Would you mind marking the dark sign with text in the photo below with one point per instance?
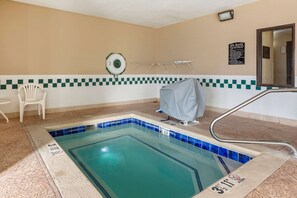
(236, 53)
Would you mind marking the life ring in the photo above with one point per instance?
(115, 63)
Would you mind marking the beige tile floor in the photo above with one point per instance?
(23, 174)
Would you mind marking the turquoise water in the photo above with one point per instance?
(134, 162)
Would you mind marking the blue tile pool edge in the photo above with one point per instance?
(221, 151)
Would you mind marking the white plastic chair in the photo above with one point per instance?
(30, 93)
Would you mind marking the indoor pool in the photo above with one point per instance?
(133, 161)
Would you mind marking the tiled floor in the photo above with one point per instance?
(23, 174)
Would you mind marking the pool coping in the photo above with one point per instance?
(213, 148)
(71, 182)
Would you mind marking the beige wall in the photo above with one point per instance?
(205, 40)
(268, 64)
(36, 40)
(280, 58)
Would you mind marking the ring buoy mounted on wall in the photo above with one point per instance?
(115, 64)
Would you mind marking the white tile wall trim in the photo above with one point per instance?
(222, 92)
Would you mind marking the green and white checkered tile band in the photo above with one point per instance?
(110, 81)
(85, 82)
(231, 84)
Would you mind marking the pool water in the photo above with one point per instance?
(134, 162)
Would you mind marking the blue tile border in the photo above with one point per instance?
(221, 151)
(73, 130)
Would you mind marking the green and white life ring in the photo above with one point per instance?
(115, 64)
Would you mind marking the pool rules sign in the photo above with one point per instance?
(237, 53)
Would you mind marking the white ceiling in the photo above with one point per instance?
(151, 13)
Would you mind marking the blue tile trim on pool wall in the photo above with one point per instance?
(242, 158)
(73, 130)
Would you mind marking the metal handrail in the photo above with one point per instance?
(260, 95)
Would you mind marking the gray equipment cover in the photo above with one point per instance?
(184, 100)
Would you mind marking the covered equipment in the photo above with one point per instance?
(184, 100)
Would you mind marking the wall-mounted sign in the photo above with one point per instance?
(266, 52)
(237, 53)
